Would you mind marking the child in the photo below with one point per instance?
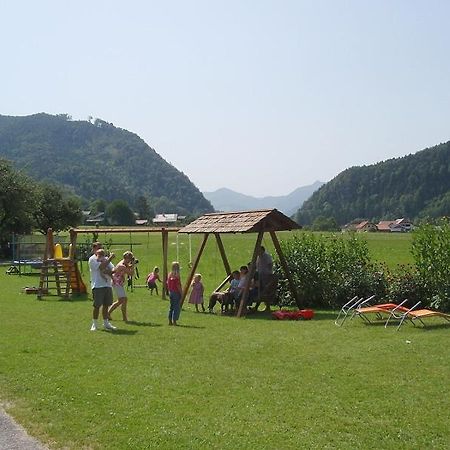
(243, 273)
(234, 285)
(151, 280)
(196, 297)
(125, 267)
(101, 256)
(175, 290)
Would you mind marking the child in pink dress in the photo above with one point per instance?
(196, 297)
(152, 278)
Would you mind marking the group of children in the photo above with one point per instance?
(125, 268)
(175, 291)
(196, 297)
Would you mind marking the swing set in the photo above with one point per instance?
(260, 222)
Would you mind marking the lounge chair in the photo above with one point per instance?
(414, 314)
(379, 310)
(348, 308)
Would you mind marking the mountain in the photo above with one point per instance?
(227, 200)
(97, 161)
(414, 186)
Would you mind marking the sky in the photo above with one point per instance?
(260, 97)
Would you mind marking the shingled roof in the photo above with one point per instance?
(241, 222)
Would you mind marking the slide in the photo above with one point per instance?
(79, 286)
(76, 282)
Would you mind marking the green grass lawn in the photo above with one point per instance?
(217, 382)
(390, 248)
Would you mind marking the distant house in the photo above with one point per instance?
(395, 226)
(402, 225)
(350, 226)
(165, 218)
(365, 226)
(360, 227)
(94, 219)
(384, 225)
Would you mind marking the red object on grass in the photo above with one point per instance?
(305, 314)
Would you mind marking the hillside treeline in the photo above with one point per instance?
(415, 186)
(97, 161)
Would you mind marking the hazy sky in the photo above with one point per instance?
(258, 96)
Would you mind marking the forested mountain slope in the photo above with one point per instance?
(97, 161)
(413, 186)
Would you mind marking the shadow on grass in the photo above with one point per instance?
(122, 332)
(143, 324)
(318, 316)
(380, 323)
(429, 327)
(54, 297)
(432, 327)
(189, 326)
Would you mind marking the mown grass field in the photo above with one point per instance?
(219, 382)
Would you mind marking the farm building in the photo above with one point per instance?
(395, 226)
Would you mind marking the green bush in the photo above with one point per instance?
(431, 251)
(328, 271)
(405, 283)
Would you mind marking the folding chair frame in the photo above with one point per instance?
(403, 316)
(349, 307)
(378, 310)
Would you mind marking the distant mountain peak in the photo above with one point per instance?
(225, 199)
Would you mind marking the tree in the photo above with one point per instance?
(56, 211)
(17, 201)
(98, 206)
(143, 208)
(119, 213)
(325, 224)
(430, 248)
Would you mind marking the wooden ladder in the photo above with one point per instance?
(54, 277)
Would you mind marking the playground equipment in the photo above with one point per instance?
(266, 220)
(58, 272)
(26, 254)
(62, 273)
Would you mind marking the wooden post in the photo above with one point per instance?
(50, 244)
(250, 273)
(285, 267)
(165, 248)
(194, 268)
(226, 264)
(73, 244)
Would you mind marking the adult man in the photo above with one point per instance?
(264, 267)
(101, 284)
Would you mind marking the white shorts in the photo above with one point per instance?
(120, 291)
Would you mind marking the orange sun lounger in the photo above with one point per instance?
(379, 310)
(413, 314)
(349, 308)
